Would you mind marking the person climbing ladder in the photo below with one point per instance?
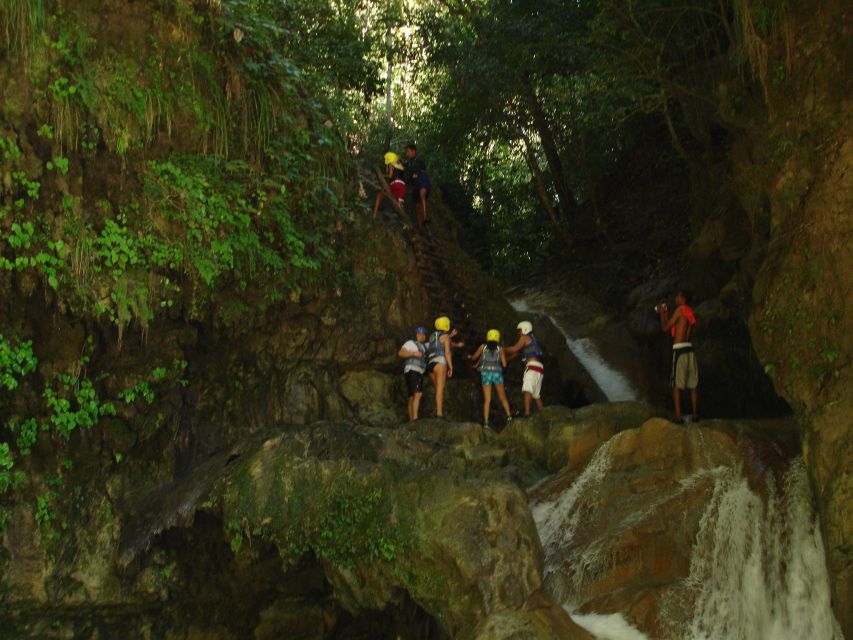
(395, 174)
(418, 179)
(491, 365)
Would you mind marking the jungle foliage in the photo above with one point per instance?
(538, 111)
(161, 161)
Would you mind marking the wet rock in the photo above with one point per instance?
(620, 536)
(828, 450)
(557, 436)
(541, 619)
(461, 548)
(374, 396)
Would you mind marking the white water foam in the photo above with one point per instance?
(758, 568)
(609, 626)
(615, 386)
(557, 520)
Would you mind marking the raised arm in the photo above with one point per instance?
(667, 321)
(476, 355)
(518, 346)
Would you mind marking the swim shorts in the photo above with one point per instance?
(398, 189)
(532, 381)
(415, 382)
(685, 369)
(491, 377)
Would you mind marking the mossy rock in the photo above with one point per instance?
(557, 435)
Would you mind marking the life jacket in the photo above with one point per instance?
(435, 349)
(688, 314)
(532, 349)
(490, 360)
(398, 175)
(419, 362)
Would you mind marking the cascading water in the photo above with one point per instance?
(758, 565)
(613, 384)
(757, 569)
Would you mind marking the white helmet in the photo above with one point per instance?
(525, 327)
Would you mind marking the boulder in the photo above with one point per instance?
(373, 396)
(462, 548)
(558, 436)
(660, 523)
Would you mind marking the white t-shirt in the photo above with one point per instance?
(411, 345)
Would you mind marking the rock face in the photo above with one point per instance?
(689, 532)
(801, 319)
(328, 530)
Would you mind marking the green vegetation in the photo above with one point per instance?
(336, 514)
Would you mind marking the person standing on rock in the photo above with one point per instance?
(491, 365)
(414, 351)
(440, 360)
(418, 179)
(685, 370)
(534, 369)
(395, 174)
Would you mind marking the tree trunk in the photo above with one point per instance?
(389, 57)
(542, 192)
(549, 146)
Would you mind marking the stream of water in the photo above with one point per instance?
(613, 384)
(757, 569)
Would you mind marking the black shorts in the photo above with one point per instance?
(415, 382)
(417, 185)
(432, 365)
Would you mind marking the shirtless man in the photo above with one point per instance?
(685, 370)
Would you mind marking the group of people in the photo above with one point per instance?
(432, 355)
(410, 173)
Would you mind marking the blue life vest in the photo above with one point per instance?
(435, 349)
(490, 360)
(418, 363)
(532, 349)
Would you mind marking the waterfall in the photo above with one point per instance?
(615, 386)
(756, 570)
(758, 565)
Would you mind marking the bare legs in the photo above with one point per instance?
(376, 203)
(421, 207)
(439, 377)
(527, 397)
(414, 405)
(694, 403)
(487, 401)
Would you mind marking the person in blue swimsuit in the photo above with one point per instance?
(491, 364)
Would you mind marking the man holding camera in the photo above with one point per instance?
(685, 370)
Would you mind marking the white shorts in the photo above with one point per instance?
(532, 382)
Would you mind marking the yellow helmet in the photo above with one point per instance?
(442, 323)
(493, 335)
(391, 158)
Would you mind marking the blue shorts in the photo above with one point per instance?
(491, 377)
(418, 184)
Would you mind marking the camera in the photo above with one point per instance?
(660, 306)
